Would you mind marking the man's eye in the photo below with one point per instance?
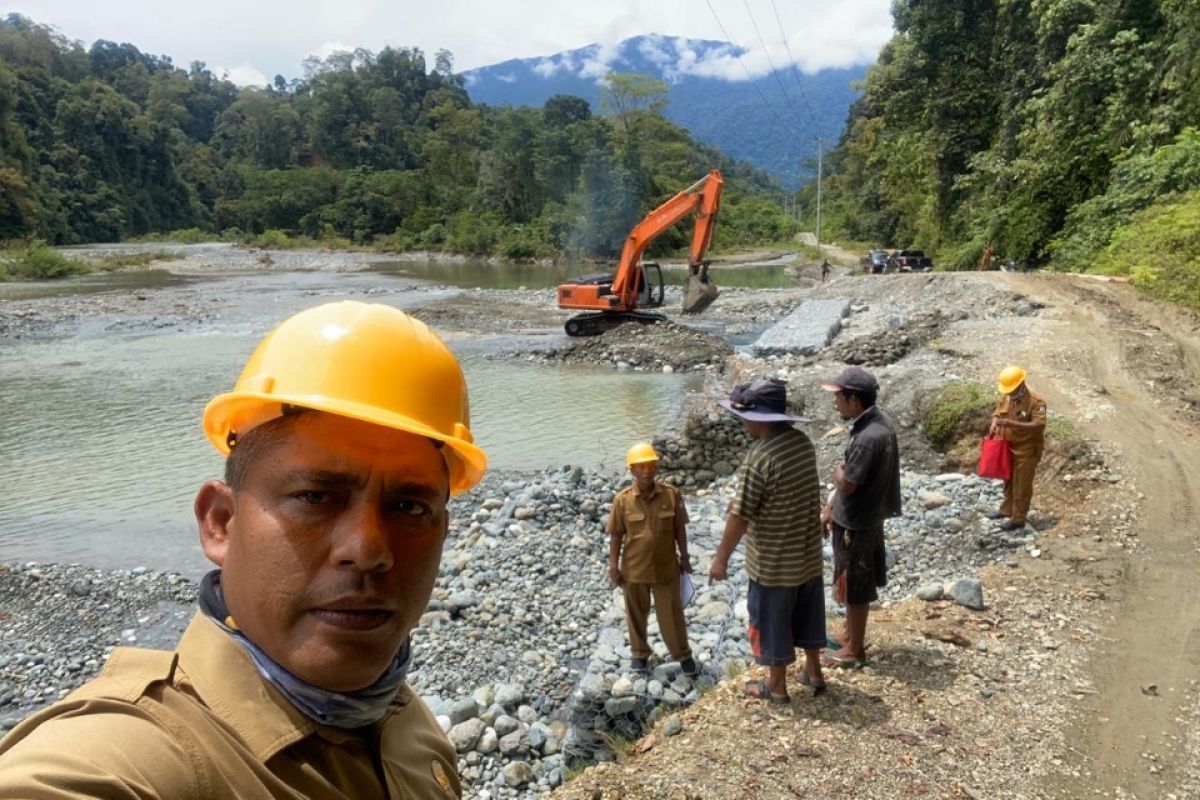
(314, 497)
(410, 507)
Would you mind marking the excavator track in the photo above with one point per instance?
(599, 322)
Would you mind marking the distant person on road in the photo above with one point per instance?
(1020, 417)
(777, 508)
(345, 435)
(824, 270)
(866, 492)
(647, 554)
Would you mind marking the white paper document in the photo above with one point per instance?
(687, 589)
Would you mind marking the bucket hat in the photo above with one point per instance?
(761, 400)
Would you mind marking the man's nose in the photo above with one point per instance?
(362, 539)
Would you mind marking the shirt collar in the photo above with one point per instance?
(862, 419)
(638, 492)
(227, 681)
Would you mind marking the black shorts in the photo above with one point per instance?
(783, 618)
(859, 555)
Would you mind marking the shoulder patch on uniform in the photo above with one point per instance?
(439, 774)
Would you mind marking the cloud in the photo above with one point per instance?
(507, 78)
(242, 75)
(547, 67)
(273, 36)
(598, 61)
(329, 48)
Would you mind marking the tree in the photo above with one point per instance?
(625, 95)
(562, 110)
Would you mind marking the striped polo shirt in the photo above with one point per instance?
(779, 494)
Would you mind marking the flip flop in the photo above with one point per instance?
(760, 691)
(832, 643)
(837, 662)
(814, 689)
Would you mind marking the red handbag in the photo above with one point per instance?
(995, 459)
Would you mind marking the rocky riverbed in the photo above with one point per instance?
(522, 652)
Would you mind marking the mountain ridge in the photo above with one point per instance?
(772, 121)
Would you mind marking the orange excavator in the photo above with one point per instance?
(609, 300)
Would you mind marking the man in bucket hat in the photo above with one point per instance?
(776, 507)
(866, 491)
(345, 436)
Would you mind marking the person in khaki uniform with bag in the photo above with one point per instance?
(346, 434)
(1019, 418)
(646, 527)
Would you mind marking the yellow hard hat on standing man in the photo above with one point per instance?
(1010, 378)
(640, 453)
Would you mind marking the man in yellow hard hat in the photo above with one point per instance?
(647, 553)
(1020, 417)
(346, 434)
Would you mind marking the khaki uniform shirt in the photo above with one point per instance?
(648, 527)
(200, 723)
(1030, 407)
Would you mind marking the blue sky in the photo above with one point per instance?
(254, 40)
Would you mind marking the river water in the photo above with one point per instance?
(100, 441)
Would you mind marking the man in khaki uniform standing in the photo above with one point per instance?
(1020, 417)
(647, 526)
(346, 434)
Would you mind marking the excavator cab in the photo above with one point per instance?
(650, 285)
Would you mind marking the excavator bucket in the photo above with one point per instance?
(698, 292)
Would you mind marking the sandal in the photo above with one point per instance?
(832, 643)
(814, 689)
(841, 662)
(760, 691)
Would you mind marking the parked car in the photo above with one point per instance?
(912, 261)
(877, 262)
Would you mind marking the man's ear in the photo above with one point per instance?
(214, 510)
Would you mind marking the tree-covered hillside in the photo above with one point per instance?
(106, 142)
(1059, 132)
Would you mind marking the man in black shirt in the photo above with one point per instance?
(867, 491)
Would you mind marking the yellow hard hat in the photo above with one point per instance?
(1010, 378)
(365, 361)
(640, 453)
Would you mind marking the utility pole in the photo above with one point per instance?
(819, 154)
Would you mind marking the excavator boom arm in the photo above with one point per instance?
(702, 198)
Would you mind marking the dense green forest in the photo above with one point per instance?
(1060, 132)
(108, 143)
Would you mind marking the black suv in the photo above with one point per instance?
(877, 261)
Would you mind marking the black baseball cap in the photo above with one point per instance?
(852, 379)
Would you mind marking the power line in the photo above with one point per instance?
(792, 63)
(811, 115)
(736, 55)
(771, 64)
